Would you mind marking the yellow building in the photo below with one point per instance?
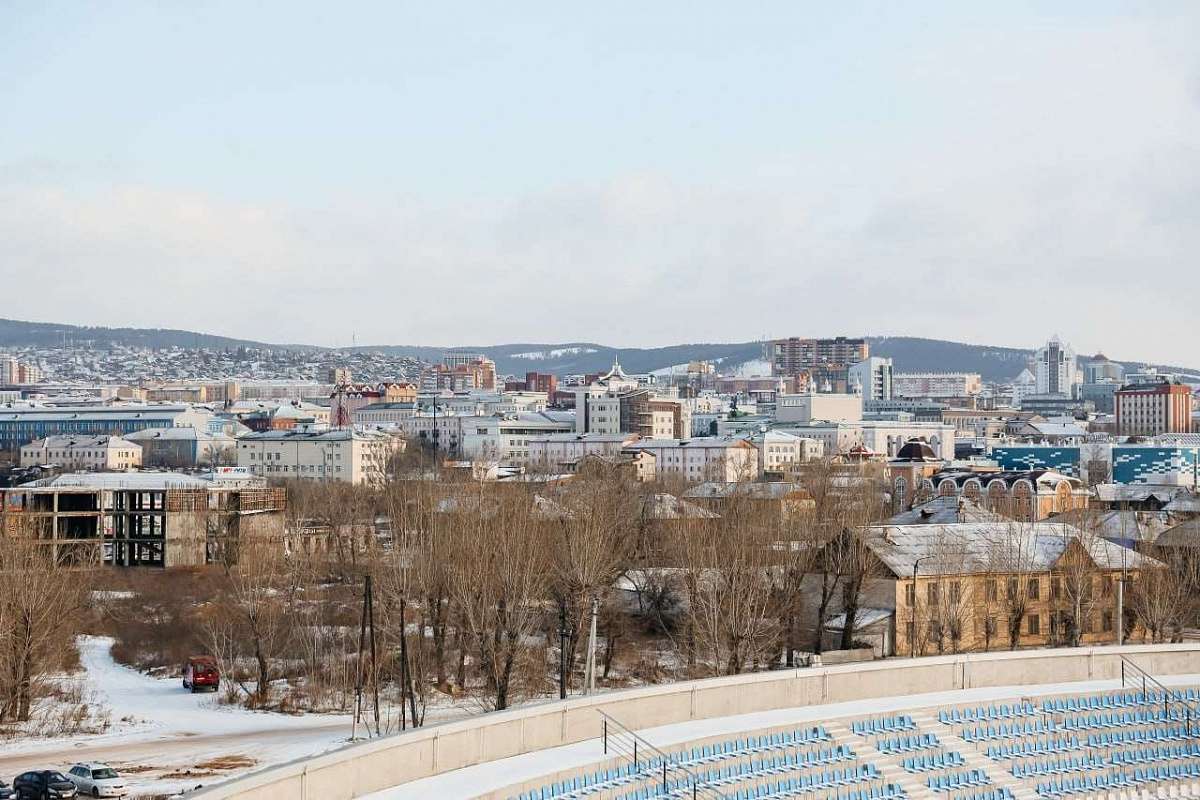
(990, 585)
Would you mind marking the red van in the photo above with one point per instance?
(200, 672)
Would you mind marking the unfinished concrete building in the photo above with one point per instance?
(140, 519)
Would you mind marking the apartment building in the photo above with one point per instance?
(560, 451)
(780, 451)
(83, 453)
(383, 415)
(978, 586)
(872, 378)
(826, 361)
(507, 439)
(344, 454)
(936, 385)
(698, 460)
(1153, 408)
(14, 372)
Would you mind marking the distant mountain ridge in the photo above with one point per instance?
(909, 354)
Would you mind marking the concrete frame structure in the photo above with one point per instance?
(138, 520)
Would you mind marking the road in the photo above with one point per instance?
(170, 739)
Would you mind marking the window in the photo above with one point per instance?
(955, 592)
(910, 594)
(935, 629)
(1106, 621)
(931, 593)
(1055, 588)
(1106, 586)
(1088, 626)
(1034, 623)
(1034, 590)
(991, 590)
(1012, 588)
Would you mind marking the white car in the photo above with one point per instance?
(97, 780)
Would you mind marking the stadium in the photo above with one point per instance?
(1118, 723)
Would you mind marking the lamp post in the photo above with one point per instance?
(912, 631)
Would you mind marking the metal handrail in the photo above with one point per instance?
(667, 760)
(1169, 695)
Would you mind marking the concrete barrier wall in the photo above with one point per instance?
(367, 767)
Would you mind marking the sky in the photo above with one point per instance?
(633, 174)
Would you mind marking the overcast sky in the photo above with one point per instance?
(626, 173)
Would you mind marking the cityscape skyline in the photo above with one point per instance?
(757, 172)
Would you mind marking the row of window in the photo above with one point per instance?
(1032, 625)
(933, 589)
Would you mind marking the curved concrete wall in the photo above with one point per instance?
(367, 767)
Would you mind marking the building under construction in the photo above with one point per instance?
(154, 519)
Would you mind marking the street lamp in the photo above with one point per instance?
(912, 631)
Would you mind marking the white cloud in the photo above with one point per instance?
(1030, 183)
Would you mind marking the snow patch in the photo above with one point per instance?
(546, 355)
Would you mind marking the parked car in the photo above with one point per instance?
(6, 792)
(97, 780)
(200, 672)
(43, 784)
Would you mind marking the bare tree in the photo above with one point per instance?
(38, 602)
(497, 570)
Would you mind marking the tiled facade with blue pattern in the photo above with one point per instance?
(1131, 464)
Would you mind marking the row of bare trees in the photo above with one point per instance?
(482, 588)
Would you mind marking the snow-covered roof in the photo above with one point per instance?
(944, 510)
(667, 506)
(149, 481)
(756, 491)
(975, 547)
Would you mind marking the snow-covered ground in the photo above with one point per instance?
(166, 739)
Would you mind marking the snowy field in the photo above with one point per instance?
(166, 739)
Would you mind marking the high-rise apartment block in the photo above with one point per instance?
(827, 361)
(1056, 368)
(13, 371)
(872, 378)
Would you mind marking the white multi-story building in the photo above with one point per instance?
(384, 415)
(506, 440)
(872, 379)
(778, 450)
(554, 451)
(880, 437)
(920, 385)
(1056, 368)
(705, 459)
(343, 455)
(87, 453)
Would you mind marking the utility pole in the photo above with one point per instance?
(358, 683)
(562, 650)
(591, 656)
(374, 663)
